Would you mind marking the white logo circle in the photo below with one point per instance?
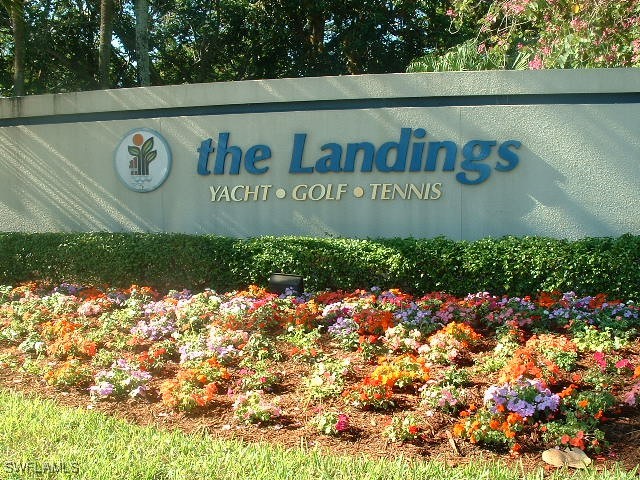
(143, 160)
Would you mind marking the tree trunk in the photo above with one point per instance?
(315, 19)
(17, 23)
(104, 49)
(142, 42)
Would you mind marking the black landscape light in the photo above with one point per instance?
(280, 282)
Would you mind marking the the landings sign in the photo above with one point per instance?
(474, 163)
(143, 161)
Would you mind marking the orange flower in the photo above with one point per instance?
(458, 429)
(567, 392)
(372, 381)
(516, 449)
(494, 424)
(597, 301)
(547, 299)
(199, 399)
(514, 418)
(211, 389)
(185, 375)
(578, 442)
(509, 433)
(636, 372)
(583, 403)
(90, 348)
(159, 352)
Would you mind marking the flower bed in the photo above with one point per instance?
(508, 374)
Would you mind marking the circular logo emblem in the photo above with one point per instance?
(143, 160)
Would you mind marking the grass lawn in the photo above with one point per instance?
(37, 437)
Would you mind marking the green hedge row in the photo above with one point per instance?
(517, 266)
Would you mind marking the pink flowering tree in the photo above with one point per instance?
(539, 34)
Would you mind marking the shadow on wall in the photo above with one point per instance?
(50, 192)
(576, 178)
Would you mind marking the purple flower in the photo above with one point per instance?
(122, 363)
(446, 399)
(525, 397)
(521, 407)
(343, 326)
(103, 389)
(140, 375)
(548, 402)
(192, 351)
(155, 328)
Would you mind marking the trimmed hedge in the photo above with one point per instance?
(517, 266)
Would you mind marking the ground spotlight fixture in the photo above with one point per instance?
(281, 282)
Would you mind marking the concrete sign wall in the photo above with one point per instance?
(464, 154)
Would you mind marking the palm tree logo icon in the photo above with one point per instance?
(142, 153)
(142, 160)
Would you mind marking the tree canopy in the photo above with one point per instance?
(69, 45)
(204, 40)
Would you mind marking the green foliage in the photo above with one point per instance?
(467, 57)
(539, 34)
(519, 266)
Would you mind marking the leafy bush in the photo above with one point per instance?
(519, 266)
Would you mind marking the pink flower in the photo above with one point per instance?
(630, 397)
(536, 63)
(624, 363)
(578, 24)
(600, 360)
(451, 13)
(343, 423)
